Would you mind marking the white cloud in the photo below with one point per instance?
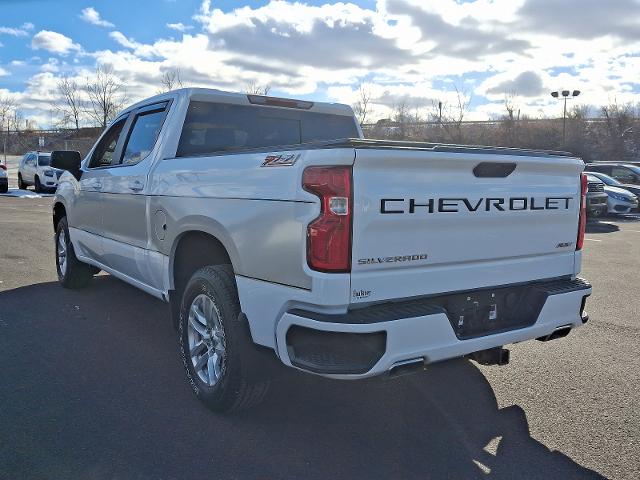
(3, 72)
(406, 50)
(53, 42)
(92, 16)
(52, 65)
(179, 27)
(140, 49)
(122, 40)
(15, 32)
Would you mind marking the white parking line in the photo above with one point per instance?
(592, 239)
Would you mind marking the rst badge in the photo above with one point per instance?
(285, 160)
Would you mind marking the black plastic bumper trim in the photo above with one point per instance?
(426, 306)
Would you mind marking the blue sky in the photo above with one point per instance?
(402, 52)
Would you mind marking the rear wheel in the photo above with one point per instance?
(21, 184)
(38, 185)
(215, 353)
(4, 188)
(72, 273)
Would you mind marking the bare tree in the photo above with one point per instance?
(454, 114)
(7, 104)
(255, 88)
(619, 120)
(401, 115)
(106, 96)
(511, 105)
(170, 80)
(459, 111)
(510, 119)
(362, 107)
(71, 106)
(15, 120)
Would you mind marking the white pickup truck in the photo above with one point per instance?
(276, 232)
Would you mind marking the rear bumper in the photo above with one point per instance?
(364, 343)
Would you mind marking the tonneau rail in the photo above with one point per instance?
(375, 144)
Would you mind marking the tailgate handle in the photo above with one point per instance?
(494, 169)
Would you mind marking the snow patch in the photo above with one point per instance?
(14, 192)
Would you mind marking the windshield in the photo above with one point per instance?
(634, 169)
(44, 160)
(606, 178)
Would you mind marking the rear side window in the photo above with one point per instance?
(142, 138)
(211, 128)
(44, 160)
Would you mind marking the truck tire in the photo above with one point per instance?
(215, 351)
(38, 185)
(72, 273)
(21, 184)
(4, 188)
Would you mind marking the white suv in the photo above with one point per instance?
(35, 169)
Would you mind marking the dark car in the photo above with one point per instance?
(596, 197)
(625, 173)
(4, 181)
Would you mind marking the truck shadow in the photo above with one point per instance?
(598, 226)
(93, 388)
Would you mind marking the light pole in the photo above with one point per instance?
(565, 94)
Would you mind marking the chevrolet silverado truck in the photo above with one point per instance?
(279, 235)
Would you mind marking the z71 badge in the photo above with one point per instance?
(280, 160)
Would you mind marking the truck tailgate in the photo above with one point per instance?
(434, 222)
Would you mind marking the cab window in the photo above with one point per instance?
(104, 153)
(144, 132)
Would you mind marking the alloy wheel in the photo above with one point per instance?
(207, 345)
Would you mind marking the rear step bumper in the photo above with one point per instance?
(385, 338)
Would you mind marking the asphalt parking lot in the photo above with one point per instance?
(92, 387)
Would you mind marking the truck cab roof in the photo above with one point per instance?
(221, 96)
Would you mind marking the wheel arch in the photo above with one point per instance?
(59, 212)
(193, 249)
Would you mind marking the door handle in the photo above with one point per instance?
(97, 186)
(136, 186)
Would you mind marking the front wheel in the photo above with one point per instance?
(215, 353)
(72, 273)
(21, 184)
(38, 186)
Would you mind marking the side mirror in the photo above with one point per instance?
(67, 160)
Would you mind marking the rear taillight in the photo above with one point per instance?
(582, 222)
(329, 235)
(3, 167)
